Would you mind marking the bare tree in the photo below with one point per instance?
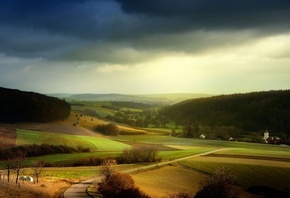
(106, 169)
(18, 163)
(38, 168)
(9, 167)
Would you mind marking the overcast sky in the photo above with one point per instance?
(149, 46)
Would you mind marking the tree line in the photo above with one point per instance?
(20, 106)
(255, 111)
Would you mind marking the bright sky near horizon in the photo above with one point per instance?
(139, 47)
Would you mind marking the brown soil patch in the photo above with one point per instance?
(8, 137)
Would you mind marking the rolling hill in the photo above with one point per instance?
(256, 111)
(20, 106)
(165, 99)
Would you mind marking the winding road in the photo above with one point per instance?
(80, 190)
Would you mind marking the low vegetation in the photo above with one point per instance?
(137, 155)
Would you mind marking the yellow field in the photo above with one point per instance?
(168, 180)
(172, 179)
(90, 123)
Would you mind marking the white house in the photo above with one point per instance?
(266, 134)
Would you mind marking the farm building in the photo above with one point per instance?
(266, 135)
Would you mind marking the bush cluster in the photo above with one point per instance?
(137, 155)
(108, 129)
(120, 185)
(116, 184)
(220, 184)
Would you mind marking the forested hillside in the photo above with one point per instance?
(20, 106)
(255, 111)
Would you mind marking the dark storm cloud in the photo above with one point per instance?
(71, 30)
(48, 28)
(215, 14)
(72, 18)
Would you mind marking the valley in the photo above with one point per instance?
(258, 167)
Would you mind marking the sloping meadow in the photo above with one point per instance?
(75, 141)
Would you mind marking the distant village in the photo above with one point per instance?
(266, 138)
(274, 139)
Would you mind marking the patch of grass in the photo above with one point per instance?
(69, 159)
(94, 143)
(171, 155)
(81, 173)
(103, 112)
(68, 172)
(277, 152)
(159, 130)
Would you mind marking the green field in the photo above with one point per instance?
(169, 140)
(77, 172)
(171, 155)
(247, 174)
(272, 151)
(100, 110)
(103, 112)
(70, 159)
(94, 143)
(105, 147)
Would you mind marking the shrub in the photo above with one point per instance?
(120, 185)
(107, 129)
(115, 184)
(219, 185)
(137, 155)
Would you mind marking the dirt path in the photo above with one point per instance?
(80, 190)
